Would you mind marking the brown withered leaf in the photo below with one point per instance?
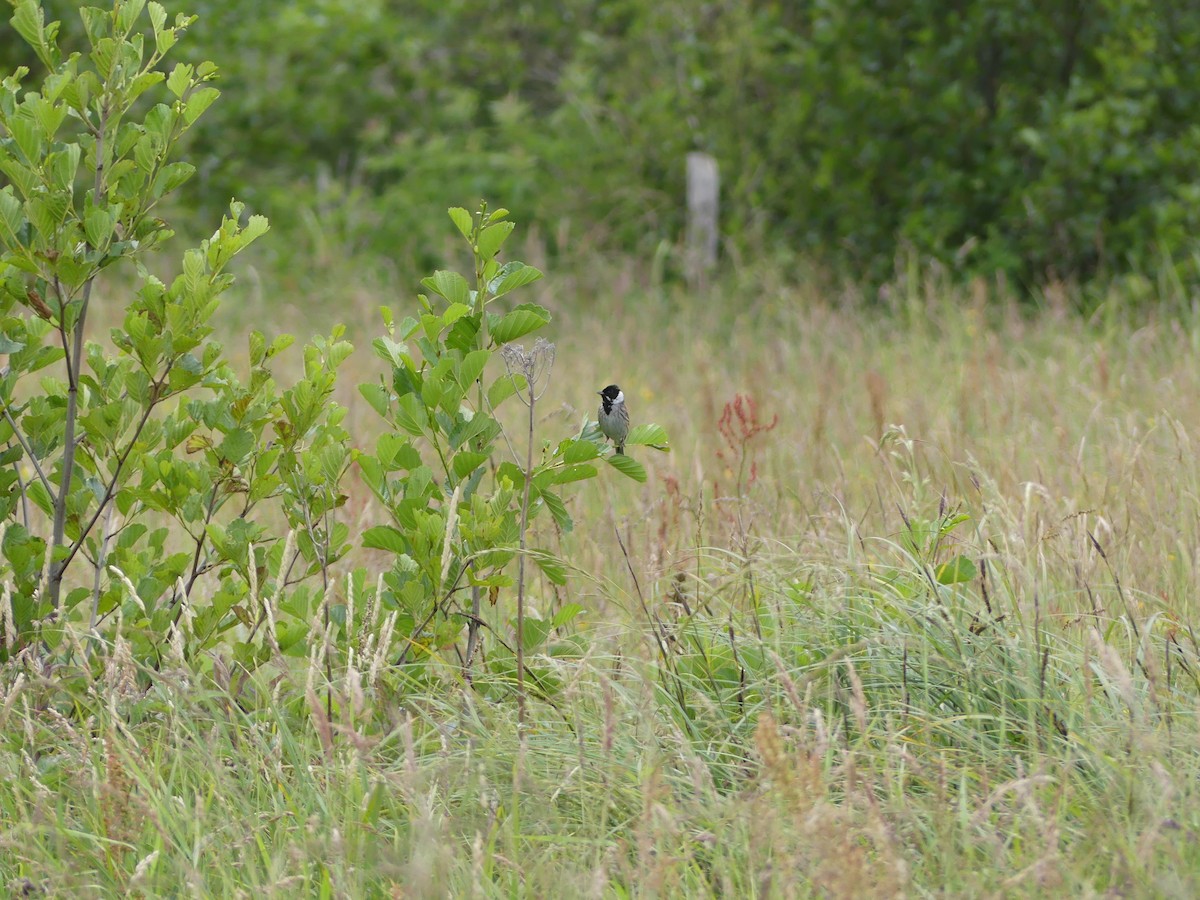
(38, 304)
(197, 442)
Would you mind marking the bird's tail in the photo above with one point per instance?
(620, 450)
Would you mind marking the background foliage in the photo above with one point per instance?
(1043, 140)
(908, 610)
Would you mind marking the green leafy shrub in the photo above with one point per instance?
(153, 498)
(459, 509)
(76, 203)
(133, 473)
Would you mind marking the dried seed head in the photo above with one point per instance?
(534, 364)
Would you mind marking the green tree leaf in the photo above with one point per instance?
(957, 571)
(649, 435)
(472, 367)
(462, 221)
(384, 537)
(627, 465)
(552, 567)
(521, 321)
(449, 285)
(492, 237)
(378, 396)
(467, 461)
(514, 275)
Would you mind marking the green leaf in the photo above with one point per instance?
(558, 510)
(552, 567)
(454, 312)
(627, 465)
(12, 217)
(62, 166)
(956, 571)
(535, 633)
(492, 237)
(521, 321)
(565, 474)
(567, 614)
(513, 276)
(478, 427)
(384, 537)
(649, 435)
(47, 212)
(172, 176)
(23, 177)
(411, 415)
(28, 20)
(49, 117)
(503, 388)
(578, 451)
(397, 452)
(236, 446)
(462, 220)
(158, 15)
(180, 79)
(463, 334)
(472, 367)
(41, 498)
(28, 136)
(467, 461)
(143, 83)
(433, 387)
(98, 226)
(258, 347)
(378, 396)
(198, 102)
(389, 351)
(449, 285)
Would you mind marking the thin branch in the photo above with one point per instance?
(100, 560)
(521, 569)
(24, 495)
(196, 567)
(436, 606)
(108, 491)
(29, 452)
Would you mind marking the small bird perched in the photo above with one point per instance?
(614, 416)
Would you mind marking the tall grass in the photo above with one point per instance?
(928, 631)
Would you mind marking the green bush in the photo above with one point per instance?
(152, 500)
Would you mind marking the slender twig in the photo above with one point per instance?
(100, 559)
(29, 452)
(521, 569)
(196, 567)
(491, 411)
(542, 692)
(534, 365)
(24, 495)
(660, 636)
(412, 637)
(109, 490)
(322, 551)
(481, 301)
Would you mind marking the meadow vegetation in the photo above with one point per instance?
(904, 608)
(928, 630)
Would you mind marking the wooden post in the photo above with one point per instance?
(703, 192)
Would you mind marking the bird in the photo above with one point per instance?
(614, 416)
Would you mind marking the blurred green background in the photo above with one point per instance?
(1048, 141)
